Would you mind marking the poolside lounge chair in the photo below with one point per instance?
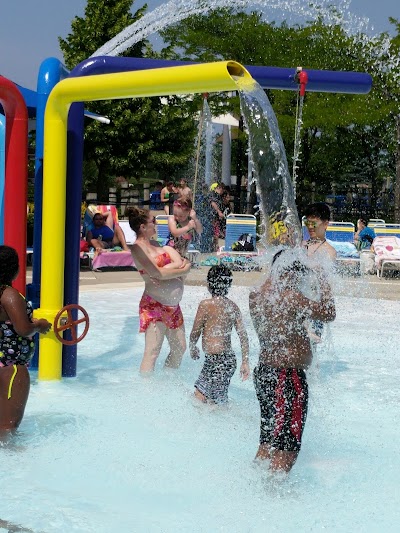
(387, 254)
(238, 226)
(387, 230)
(163, 235)
(113, 259)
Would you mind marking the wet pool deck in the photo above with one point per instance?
(387, 288)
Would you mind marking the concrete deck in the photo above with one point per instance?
(387, 288)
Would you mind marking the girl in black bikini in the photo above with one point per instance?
(17, 328)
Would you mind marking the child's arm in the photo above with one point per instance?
(15, 307)
(244, 345)
(197, 329)
(161, 273)
(176, 259)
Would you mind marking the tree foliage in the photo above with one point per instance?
(346, 139)
(147, 137)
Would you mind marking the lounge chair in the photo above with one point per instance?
(387, 254)
(241, 230)
(387, 230)
(114, 258)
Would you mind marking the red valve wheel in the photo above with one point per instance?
(69, 323)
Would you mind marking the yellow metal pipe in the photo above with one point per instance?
(209, 77)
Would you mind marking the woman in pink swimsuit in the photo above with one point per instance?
(163, 271)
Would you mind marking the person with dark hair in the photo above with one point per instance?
(280, 312)
(184, 190)
(321, 253)
(159, 310)
(104, 235)
(364, 236)
(17, 346)
(316, 219)
(183, 225)
(168, 195)
(215, 319)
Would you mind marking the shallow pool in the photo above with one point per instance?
(111, 451)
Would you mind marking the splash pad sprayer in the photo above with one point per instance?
(200, 78)
(201, 123)
(301, 77)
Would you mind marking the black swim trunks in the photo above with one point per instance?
(283, 397)
(216, 375)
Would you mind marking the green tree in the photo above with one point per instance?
(329, 119)
(147, 137)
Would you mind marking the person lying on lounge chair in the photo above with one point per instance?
(104, 235)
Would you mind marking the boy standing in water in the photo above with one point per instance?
(320, 252)
(215, 320)
(316, 220)
(280, 313)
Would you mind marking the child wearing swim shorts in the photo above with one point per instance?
(215, 319)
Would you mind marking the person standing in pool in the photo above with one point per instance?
(215, 319)
(159, 311)
(321, 254)
(17, 346)
(280, 313)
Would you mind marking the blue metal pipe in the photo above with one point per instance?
(51, 71)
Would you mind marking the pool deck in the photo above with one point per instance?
(387, 288)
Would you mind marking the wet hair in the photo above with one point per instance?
(137, 217)
(319, 210)
(290, 265)
(184, 203)
(219, 279)
(9, 264)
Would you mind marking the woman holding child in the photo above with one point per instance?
(163, 271)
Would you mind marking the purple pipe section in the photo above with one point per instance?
(327, 81)
(267, 77)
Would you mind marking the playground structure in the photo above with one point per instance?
(60, 125)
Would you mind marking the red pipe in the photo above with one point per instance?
(16, 174)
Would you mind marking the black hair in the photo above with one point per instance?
(9, 265)
(319, 210)
(219, 279)
(364, 221)
(296, 268)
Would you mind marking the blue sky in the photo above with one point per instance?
(29, 30)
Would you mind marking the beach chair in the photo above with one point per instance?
(130, 235)
(375, 222)
(387, 230)
(237, 227)
(387, 253)
(113, 259)
(163, 235)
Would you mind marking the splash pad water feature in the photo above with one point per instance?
(112, 451)
(193, 493)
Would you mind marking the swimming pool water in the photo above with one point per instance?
(111, 451)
